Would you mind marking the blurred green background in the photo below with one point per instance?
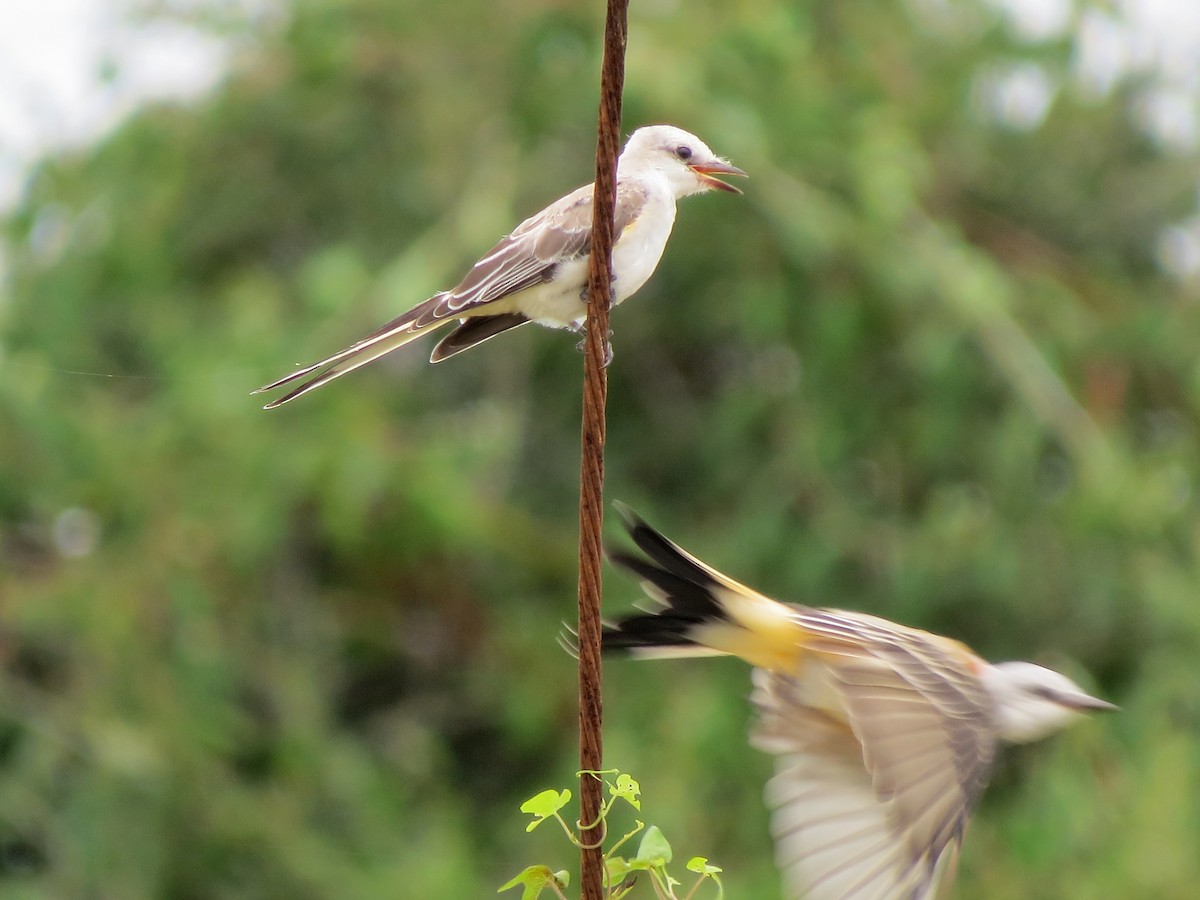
(939, 363)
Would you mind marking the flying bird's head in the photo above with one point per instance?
(682, 158)
(1032, 702)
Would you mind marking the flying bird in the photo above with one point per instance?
(538, 272)
(883, 735)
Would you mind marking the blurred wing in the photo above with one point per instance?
(884, 747)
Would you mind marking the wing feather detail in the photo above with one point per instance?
(534, 250)
(833, 839)
(883, 744)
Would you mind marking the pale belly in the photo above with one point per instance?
(639, 248)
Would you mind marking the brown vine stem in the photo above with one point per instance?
(591, 479)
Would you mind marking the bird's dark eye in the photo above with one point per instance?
(684, 152)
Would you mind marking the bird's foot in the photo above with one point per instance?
(585, 295)
(582, 345)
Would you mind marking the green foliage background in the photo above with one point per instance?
(927, 367)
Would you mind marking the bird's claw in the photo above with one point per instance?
(608, 347)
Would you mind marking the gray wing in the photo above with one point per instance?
(536, 248)
(884, 743)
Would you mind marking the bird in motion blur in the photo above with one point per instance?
(883, 735)
(538, 272)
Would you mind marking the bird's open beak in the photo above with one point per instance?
(705, 171)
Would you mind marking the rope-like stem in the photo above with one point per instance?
(591, 479)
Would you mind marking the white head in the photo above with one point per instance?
(1032, 702)
(682, 158)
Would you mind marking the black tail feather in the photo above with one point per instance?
(684, 589)
(647, 631)
(663, 551)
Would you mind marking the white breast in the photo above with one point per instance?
(641, 244)
(638, 249)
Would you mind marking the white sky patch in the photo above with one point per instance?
(1166, 36)
(1169, 115)
(1037, 20)
(1179, 250)
(70, 70)
(1155, 41)
(1016, 96)
(1156, 37)
(1103, 54)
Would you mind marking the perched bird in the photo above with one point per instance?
(883, 735)
(539, 272)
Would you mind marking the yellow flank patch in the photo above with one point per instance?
(762, 631)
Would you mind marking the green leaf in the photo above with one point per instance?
(547, 803)
(628, 790)
(544, 805)
(654, 848)
(699, 865)
(617, 867)
(535, 880)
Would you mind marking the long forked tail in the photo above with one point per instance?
(403, 329)
(701, 612)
